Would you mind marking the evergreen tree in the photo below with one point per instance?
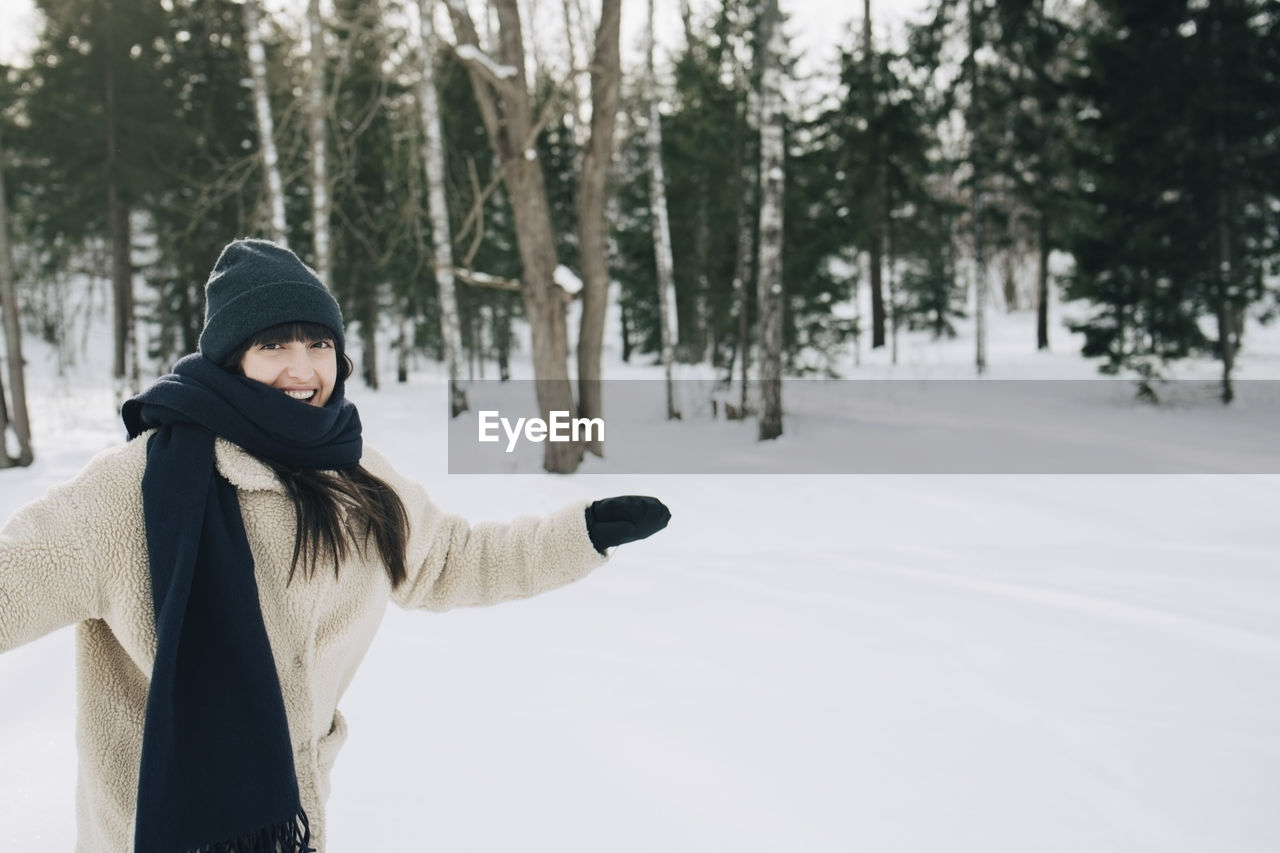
(1178, 190)
(217, 191)
(882, 135)
(374, 149)
(100, 130)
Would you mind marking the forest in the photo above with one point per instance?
(455, 170)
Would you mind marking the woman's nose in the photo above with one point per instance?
(299, 365)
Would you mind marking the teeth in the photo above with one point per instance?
(300, 395)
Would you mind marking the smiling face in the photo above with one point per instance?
(306, 369)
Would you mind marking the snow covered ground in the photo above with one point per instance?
(798, 663)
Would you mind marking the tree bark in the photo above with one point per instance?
(872, 199)
(369, 339)
(894, 316)
(975, 164)
(507, 112)
(1226, 311)
(318, 111)
(6, 461)
(266, 128)
(19, 420)
(437, 208)
(1042, 284)
(404, 343)
(773, 183)
(121, 283)
(593, 222)
(744, 251)
(660, 223)
(117, 226)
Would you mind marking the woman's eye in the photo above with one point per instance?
(270, 347)
(323, 344)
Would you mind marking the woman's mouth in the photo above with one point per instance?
(304, 395)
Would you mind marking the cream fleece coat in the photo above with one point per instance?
(79, 556)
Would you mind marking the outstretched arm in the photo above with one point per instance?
(45, 580)
(453, 563)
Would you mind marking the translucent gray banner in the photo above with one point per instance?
(887, 427)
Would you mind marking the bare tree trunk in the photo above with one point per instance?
(266, 128)
(773, 180)
(593, 221)
(1226, 311)
(118, 228)
(6, 461)
(121, 284)
(745, 250)
(507, 111)
(1042, 184)
(1009, 275)
(318, 111)
(404, 343)
(625, 327)
(437, 208)
(893, 285)
(699, 321)
(1042, 284)
(979, 262)
(872, 201)
(502, 339)
(741, 281)
(20, 420)
(661, 225)
(369, 339)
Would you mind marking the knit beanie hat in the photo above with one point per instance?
(257, 284)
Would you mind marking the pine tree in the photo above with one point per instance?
(100, 127)
(374, 147)
(214, 190)
(1177, 192)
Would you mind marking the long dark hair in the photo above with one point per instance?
(336, 510)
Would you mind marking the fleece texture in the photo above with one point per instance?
(78, 556)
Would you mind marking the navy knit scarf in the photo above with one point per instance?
(217, 769)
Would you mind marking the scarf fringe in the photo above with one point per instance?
(288, 836)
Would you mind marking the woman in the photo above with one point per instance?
(228, 567)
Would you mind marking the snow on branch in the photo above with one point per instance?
(482, 279)
(473, 54)
(568, 280)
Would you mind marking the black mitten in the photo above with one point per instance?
(615, 521)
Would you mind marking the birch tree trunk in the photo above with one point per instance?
(266, 129)
(13, 347)
(661, 225)
(437, 209)
(502, 94)
(773, 178)
(318, 111)
(593, 221)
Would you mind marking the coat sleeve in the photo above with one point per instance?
(46, 581)
(452, 563)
